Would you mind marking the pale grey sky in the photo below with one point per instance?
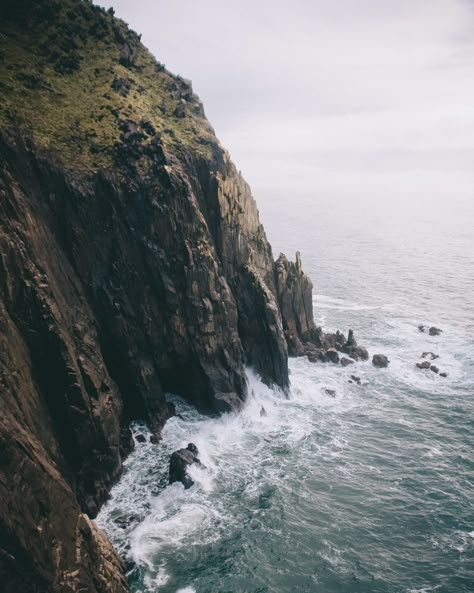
(350, 98)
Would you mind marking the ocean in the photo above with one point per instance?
(369, 491)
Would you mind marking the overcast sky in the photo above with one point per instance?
(349, 97)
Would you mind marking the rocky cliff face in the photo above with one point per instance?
(132, 263)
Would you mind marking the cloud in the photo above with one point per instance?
(341, 96)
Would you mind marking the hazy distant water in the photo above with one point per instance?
(371, 491)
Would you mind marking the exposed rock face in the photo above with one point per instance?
(294, 296)
(132, 262)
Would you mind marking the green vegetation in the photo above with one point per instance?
(80, 83)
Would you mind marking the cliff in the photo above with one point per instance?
(132, 263)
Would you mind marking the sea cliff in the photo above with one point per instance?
(132, 263)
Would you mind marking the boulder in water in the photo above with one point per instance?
(140, 438)
(125, 521)
(346, 361)
(443, 375)
(180, 461)
(330, 392)
(356, 379)
(435, 331)
(332, 355)
(353, 350)
(434, 368)
(425, 365)
(380, 360)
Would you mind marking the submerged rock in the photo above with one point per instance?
(423, 365)
(430, 355)
(263, 412)
(434, 368)
(140, 438)
(380, 360)
(330, 392)
(125, 521)
(435, 331)
(346, 361)
(443, 375)
(179, 463)
(356, 379)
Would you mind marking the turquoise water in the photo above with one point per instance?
(369, 491)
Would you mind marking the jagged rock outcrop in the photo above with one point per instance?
(179, 463)
(294, 295)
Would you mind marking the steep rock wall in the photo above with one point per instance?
(132, 263)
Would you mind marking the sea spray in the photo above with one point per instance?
(287, 498)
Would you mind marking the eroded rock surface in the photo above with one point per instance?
(179, 463)
(294, 295)
(132, 262)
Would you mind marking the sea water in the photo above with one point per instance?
(370, 491)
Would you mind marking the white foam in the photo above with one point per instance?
(155, 579)
(239, 452)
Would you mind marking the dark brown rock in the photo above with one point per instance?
(294, 291)
(346, 361)
(423, 365)
(128, 268)
(180, 461)
(380, 360)
(356, 352)
(332, 355)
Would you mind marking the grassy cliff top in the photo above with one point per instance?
(79, 82)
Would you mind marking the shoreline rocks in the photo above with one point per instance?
(179, 463)
(429, 355)
(346, 361)
(423, 365)
(432, 331)
(380, 361)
